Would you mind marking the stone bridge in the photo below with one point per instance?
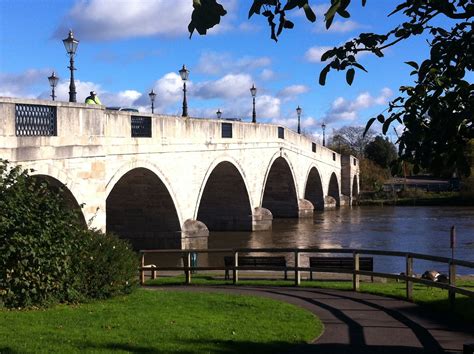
(165, 181)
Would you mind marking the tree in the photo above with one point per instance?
(437, 112)
(381, 151)
(350, 140)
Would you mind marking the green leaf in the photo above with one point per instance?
(357, 65)
(310, 15)
(350, 76)
(369, 124)
(412, 64)
(323, 74)
(329, 15)
(257, 5)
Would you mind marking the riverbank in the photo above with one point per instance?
(416, 198)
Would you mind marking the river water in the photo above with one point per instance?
(408, 229)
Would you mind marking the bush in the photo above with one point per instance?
(104, 266)
(46, 255)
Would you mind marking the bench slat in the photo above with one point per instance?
(322, 264)
(258, 261)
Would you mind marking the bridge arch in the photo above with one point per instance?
(224, 202)
(334, 190)
(140, 208)
(279, 193)
(314, 188)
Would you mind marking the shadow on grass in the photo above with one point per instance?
(229, 347)
(196, 346)
(7, 350)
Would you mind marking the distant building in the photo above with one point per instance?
(424, 183)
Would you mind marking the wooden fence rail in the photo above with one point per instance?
(408, 276)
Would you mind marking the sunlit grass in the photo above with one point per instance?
(433, 298)
(161, 321)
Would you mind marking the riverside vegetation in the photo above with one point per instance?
(48, 255)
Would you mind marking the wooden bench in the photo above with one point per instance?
(248, 261)
(327, 264)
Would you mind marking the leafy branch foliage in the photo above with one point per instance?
(437, 111)
(47, 255)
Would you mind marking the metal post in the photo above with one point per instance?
(452, 282)
(152, 107)
(254, 114)
(52, 94)
(185, 102)
(72, 85)
(409, 273)
(187, 271)
(235, 271)
(297, 272)
(142, 271)
(355, 276)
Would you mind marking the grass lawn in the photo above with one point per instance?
(433, 298)
(161, 321)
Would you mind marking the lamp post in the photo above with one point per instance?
(219, 114)
(70, 43)
(253, 91)
(184, 73)
(324, 133)
(53, 81)
(152, 96)
(298, 112)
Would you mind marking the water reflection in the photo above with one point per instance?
(411, 229)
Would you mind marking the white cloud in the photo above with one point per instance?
(229, 86)
(291, 92)
(346, 110)
(214, 63)
(267, 74)
(24, 84)
(118, 19)
(337, 26)
(313, 54)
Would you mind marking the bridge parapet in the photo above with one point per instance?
(97, 130)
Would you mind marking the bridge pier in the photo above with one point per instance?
(329, 202)
(262, 219)
(194, 235)
(305, 208)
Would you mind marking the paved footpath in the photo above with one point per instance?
(363, 323)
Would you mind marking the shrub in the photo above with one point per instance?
(34, 229)
(104, 266)
(47, 255)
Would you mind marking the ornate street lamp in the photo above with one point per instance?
(53, 81)
(324, 133)
(219, 114)
(184, 73)
(253, 91)
(298, 112)
(152, 95)
(70, 43)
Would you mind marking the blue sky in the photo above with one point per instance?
(129, 47)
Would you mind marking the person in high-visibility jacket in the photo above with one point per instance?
(93, 99)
